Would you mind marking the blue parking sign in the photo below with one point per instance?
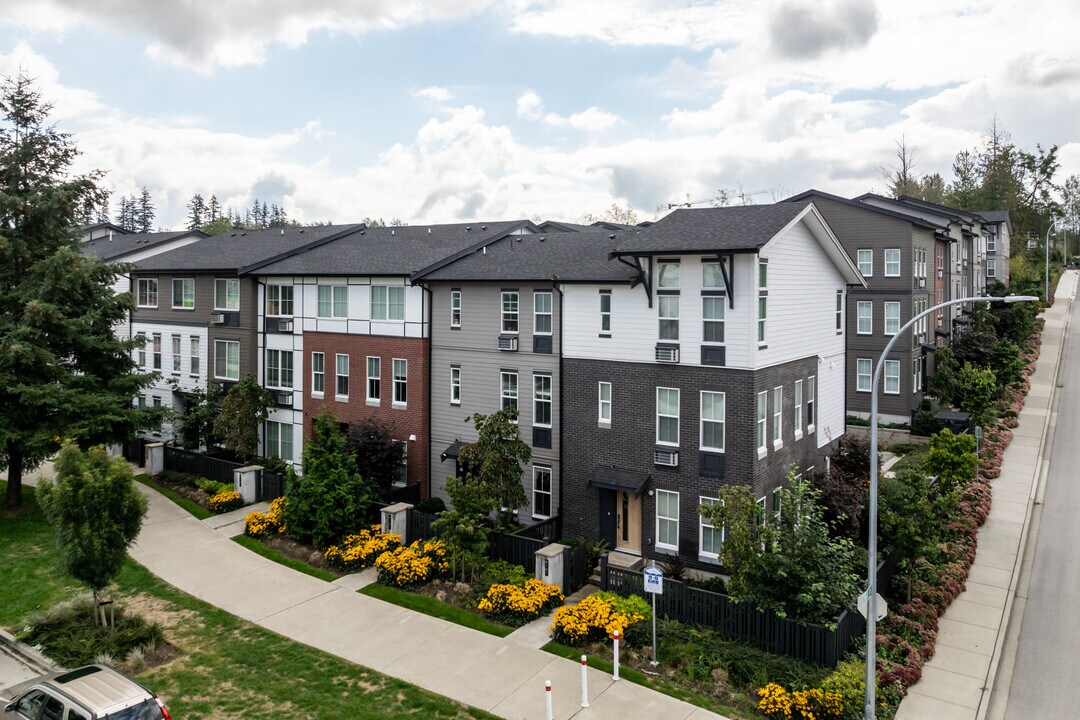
(654, 581)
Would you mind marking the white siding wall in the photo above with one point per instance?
(160, 388)
(829, 395)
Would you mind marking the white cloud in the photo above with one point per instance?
(591, 120)
(433, 94)
(530, 105)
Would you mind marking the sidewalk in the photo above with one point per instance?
(958, 681)
(498, 675)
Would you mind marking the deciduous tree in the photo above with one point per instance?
(243, 411)
(498, 456)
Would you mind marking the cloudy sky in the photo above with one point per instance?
(445, 110)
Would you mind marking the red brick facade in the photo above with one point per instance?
(411, 420)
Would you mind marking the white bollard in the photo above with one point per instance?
(584, 682)
(615, 674)
(547, 696)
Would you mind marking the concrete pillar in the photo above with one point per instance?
(395, 519)
(246, 482)
(551, 565)
(155, 458)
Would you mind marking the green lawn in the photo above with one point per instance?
(279, 557)
(226, 667)
(430, 606)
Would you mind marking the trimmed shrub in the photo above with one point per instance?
(598, 615)
(516, 605)
(360, 551)
(500, 572)
(418, 563)
(431, 506)
(225, 502)
(212, 487)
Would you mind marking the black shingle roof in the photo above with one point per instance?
(127, 244)
(913, 219)
(697, 230)
(387, 250)
(995, 216)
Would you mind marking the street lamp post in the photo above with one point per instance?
(869, 711)
(1046, 245)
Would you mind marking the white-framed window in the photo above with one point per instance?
(332, 301)
(341, 376)
(604, 396)
(839, 311)
(762, 274)
(667, 520)
(916, 376)
(892, 377)
(991, 243)
(510, 302)
(227, 359)
(279, 300)
(762, 413)
(711, 276)
(195, 358)
(541, 506)
(798, 408)
(157, 350)
(777, 510)
(864, 370)
(668, 310)
(374, 379)
(991, 268)
(710, 538)
(140, 342)
(892, 262)
(712, 319)
(227, 294)
(667, 416)
(762, 515)
(455, 385)
(177, 360)
(387, 302)
(401, 472)
(892, 317)
(147, 292)
(400, 368)
(318, 373)
(183, 293)
(508, 388)
(762, 316)
(866, 263)
(605, 312)
(279, 369)
(279, 440)
(667, 275)
(713, 412)
(455, 308)
(542, 400)
(778, 416)
(542, 313)
(811, 408)
(864, 314)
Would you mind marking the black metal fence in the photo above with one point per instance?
(549, 530)
(405, 493)
(576, 568)
(269, 486)
(420, 525)
(134, 450)
(514, 549)
(194, 463)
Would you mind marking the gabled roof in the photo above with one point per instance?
(906, 203)
(105, 226)
(742, 229)
(919, 202)
(122, 245)
(559, 256)
(387, 250)
(559, 226)
(914, 220)
(998, 216)
(236, 250)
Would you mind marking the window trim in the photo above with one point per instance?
(659, 544)
(504, 315)
(506, 399)
(550, 492)
(798, 403)
(601, 402)
(778, 417)
(156, 351)
(868, 375)
(284, 429)
(139, 292)
(320, 374)
(386, 291)
(455, 385)
(702, 524)
(870, 261)
(183, 293)
(228, 283)
(811, 404)
(839, 312)
(762, 319)
(217, 344)
(894, 304)
(455, 308)
(605, 315)
(702, 420)
(279, 287)
(897, 262)
(660, 265)
(717, 301)
(375, 399)
(550, 314)
(859, 317)
(399, 382)
(761, 438)
(537, 400)
(280, 355)
(176, 346)
(673, 320)
(332, 290)
(338, 376)
(885, 375)
(195, 355)
(676, 416)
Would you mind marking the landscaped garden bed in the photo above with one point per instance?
(212, 496)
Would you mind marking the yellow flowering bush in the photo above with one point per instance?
(517, 605)
(225, 501)
(597, 615)
(360, 550)
(421, 561)
(777, 703)
(257, 524)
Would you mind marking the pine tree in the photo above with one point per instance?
(123, 214)
(214, 209)
(144, 214)
(103, 208)
(196, 212)
(63, 370)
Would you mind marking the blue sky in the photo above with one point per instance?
(445, 110)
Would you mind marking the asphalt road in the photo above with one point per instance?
(1045, 681)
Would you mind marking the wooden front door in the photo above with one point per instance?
(628, 530)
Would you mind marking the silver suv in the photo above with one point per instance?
(94, 692)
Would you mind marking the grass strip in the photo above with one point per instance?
(282, 559)
(430, 606)
(192, 508)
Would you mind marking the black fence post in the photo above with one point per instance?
(603, 571)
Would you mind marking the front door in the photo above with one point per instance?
(628, 530)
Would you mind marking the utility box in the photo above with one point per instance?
(551, 565)
(155, 458)
(246, 481)
(957, 422)
(395, 519)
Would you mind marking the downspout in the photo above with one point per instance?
(428, 305)
(562, 391)
(260, 353)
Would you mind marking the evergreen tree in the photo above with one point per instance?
(213, 208)
(125, 217)
(144, 212)
(103, 208)
(241, 416)
(63, 371)
(196, 212)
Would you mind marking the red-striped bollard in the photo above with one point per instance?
(615, 673)
(584, 682)
(547, 700)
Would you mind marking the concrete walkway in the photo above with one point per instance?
(959, 680)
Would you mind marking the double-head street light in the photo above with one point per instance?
(869, 711)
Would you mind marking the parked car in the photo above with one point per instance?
(94, 692)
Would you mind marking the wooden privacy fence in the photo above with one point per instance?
(269, 486)
(134, 450)
(576, 568)
(513, 548)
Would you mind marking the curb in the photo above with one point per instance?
(27, 654)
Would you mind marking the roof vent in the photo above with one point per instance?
(301, 231)
(467, 228)
(484, 250)
(243, 234)
(232, 234)
(483, 227)
(429, 231)
(393, 232)
(361, 232)
(282, 231)
(611, 237)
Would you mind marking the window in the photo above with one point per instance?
(839, 311)
(811, 417)
(227, 359)
(669, 317)
(916, 376)
(279, 300)
(141, 401)
(157, 401)
(387, 303)
(709, 538)
(668, 275)
(157, 351)
(605, 311)
(864, 369)
(991, 243)
(991, 267)
(892, 262)
(401, 381)
(712, 319)
(401, 472)
(542, 400)
(892, 377)
(374, 378)
(140, 342)
(227, 294)
(798, 408)
(147, 295)
(183, 293)
(510, 311)
(712, 421)
(711, 277)
(667, 416)
(604, 395)
(279, 369)
(892, 317)
(776, 502)
(667, 520)
(508, 388)
(866, 263)
(762, 315)
(778, 415)
(279, 440)
(196, 355)
(176, 359)
(762, 411)
(762, 274)
(455, 308)
(542, 313)
(318, 373)
(333, 301)
(341, 376)
(541, 492)
(455, 386)
(864, 310)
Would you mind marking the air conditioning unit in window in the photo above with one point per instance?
(667, 353)
(217, 318)
(284, 326)
(285, 397)
(922, 282)
(508, 342)
(668, 458)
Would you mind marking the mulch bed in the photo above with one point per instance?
(298, 551)
(188, 492)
